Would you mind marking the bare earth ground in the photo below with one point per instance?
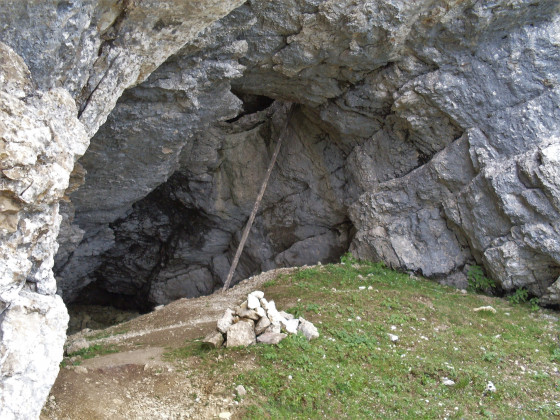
(136, 382)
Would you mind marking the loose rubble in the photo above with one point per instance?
(257, 320)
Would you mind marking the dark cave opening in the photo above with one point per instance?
(180, 239)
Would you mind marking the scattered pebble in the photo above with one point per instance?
(240, 391)
(224, 415)
(485, 309)
(447, 382)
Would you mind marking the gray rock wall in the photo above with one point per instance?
(414, 111)
(63, 65)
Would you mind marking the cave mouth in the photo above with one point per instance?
(179, 240)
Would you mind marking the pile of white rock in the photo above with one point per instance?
(257, 320)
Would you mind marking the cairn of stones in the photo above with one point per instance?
(257, 320)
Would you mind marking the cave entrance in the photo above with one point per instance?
(180, 239)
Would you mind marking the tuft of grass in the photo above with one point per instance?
(93, 351)
(354, 370)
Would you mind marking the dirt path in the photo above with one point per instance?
(136, 382)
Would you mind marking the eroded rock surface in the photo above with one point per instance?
(412, 125)
(63, 65)
(40, 139)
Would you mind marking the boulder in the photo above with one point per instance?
(253, 302)
(308, 329)
(225, 321)
(260, 312)
(290, 325)
(240, 391)
(241, 334)
(286, 315)
(262, 325)
(214, 340)
(243, 311)
(274, 328)
(258, 294)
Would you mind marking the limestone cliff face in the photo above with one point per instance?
(425, 134)
(63, 65)
(419, 135)
(40, 139)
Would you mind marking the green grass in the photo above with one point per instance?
(354, 371)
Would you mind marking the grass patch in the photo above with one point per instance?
(93, 351)
(353, 370)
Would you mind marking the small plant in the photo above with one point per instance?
(491, 357)
(312, 307)
(555, 355)
(478, 282)
(540, 375)
(522, 296)
(519, 296)
(348, 259)
(534, 302)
